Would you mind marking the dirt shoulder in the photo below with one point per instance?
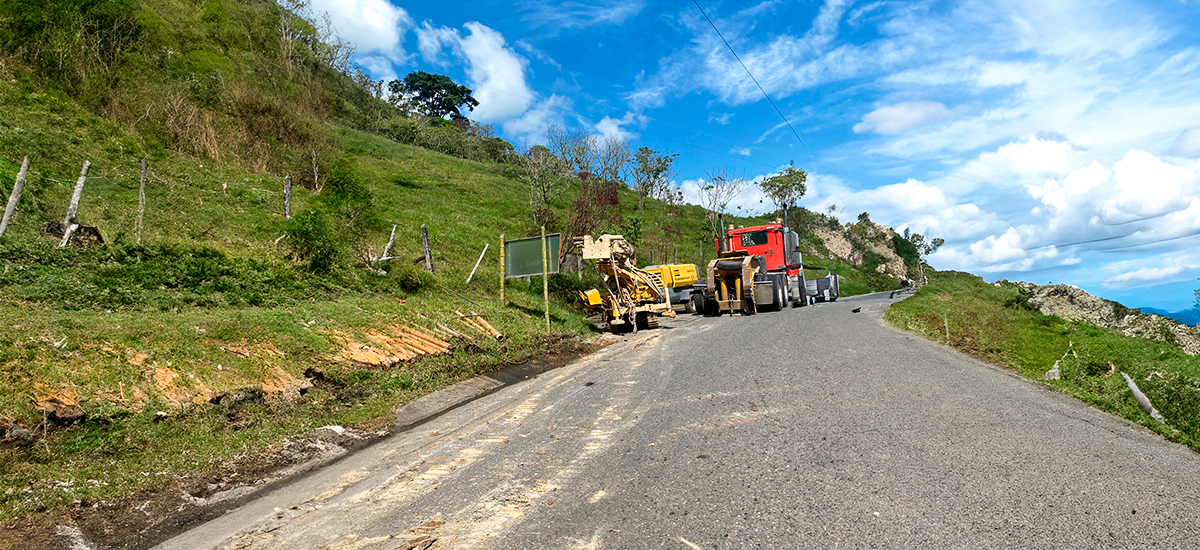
(162, 509)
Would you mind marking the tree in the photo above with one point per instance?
(578, 149)
(433, 95)
(1197, 305)
(785, 188)
(612, 159)
(652, 175)
(597, 207)
(722, 186)
(545, 176)
(924, 248)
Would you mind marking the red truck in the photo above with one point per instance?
(764, 264)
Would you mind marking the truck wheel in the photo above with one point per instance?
(690, 305)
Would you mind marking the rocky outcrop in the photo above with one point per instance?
(838, 245)
(1157, 327)
(1073, 304)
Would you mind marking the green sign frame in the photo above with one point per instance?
(523, 257)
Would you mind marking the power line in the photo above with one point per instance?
(707, 150)
(747, 69)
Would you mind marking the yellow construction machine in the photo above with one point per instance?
(632, 298)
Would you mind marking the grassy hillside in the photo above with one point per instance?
(191, 345)
(995, 323)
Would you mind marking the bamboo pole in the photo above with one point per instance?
(15, 196)
(141, 203)
(479, 319)
(545, 279)
(502, 269)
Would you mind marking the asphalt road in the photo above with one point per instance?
(809, 428)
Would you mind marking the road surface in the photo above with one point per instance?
(809, 428)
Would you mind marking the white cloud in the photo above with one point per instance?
(495, 72)
(1146, 276)
(898, 118)
(530, 128)
(1187, 144)
(743, 151)
(576, 15)
(720, 118)
(609, 127)
(375, 27)
(433, 42)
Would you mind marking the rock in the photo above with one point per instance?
(1072, 303)
(61, 409)
(19, 434)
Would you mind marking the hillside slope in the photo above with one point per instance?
(223, 326)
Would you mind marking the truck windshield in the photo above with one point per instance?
(754, 238)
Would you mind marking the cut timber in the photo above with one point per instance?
(483, 322)
(466, 320)
(420, 333)
(435, 345)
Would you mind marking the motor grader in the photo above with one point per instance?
(632, 298)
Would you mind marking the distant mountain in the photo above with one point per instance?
(1187, 316)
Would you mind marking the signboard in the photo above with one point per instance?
(523, 257)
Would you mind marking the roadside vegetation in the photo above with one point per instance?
(995, 323)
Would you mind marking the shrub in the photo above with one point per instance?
(313, 239)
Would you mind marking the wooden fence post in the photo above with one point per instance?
(425, 242)
(69, 225)
(15, 196)
(545, 279)
(287, 199)
(141, 204)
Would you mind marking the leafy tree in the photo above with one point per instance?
(1197, 305)
(785, 188)
(433, 95)
(652, 175)
(924, 248)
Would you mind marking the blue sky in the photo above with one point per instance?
(1045, 141)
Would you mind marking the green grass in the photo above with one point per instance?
(994, 323)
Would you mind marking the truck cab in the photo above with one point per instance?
(778, 246)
